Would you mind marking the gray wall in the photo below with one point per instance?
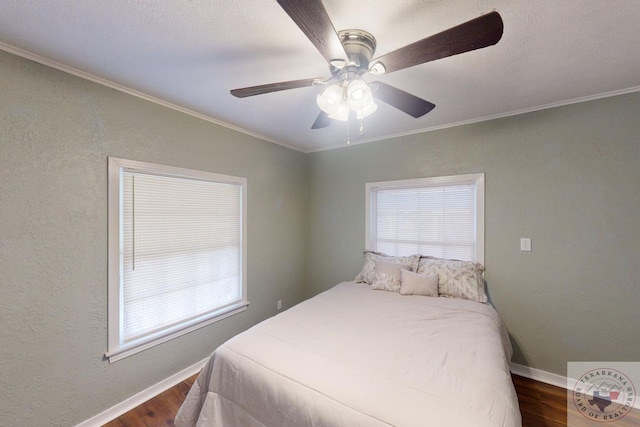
(56, 132)
(568, 177)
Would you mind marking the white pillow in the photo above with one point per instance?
(388, 276)
(367, 274)
(457, 279)
(419, 284)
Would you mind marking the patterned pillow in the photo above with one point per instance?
(458, 279)
(367, 273)
(388, 276)
(419, 284)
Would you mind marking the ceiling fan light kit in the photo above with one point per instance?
(339, 99)
(349, 53)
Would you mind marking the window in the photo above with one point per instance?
(176, 252)
(441, 217)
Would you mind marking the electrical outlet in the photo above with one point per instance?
(525, 244)
(279, 304)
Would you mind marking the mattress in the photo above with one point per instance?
(353, 356)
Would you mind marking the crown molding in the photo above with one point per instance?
(113, 85)
(104, 82)
(488, 118)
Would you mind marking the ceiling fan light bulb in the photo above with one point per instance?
(330, 99)
(356, 89)
(359, 95)
(366, 111)
(324, 105)
(341, 113)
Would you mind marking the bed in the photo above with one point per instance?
(355, 356)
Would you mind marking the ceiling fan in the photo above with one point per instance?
(349, 54)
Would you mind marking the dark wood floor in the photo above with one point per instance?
(158, 411)
(541, 405)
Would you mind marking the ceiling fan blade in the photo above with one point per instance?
(480, 32)
(322, 121)
(313, 20)
(271, 87)
(403, 101)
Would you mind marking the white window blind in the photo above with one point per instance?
(181, 253)
(438, 217)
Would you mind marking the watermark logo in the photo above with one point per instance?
(604, 394)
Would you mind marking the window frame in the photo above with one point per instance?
(475, 178)
(117, 349)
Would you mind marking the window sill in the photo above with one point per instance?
(136, 347)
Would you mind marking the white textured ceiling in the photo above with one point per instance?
(190, 53)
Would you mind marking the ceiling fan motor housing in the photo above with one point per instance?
(359, 46)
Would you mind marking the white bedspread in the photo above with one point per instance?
(352, 357)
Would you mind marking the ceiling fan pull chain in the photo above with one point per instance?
(349, 132)
(361, 127)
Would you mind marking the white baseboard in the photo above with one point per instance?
(550, 378)
(139, 398)
(542, 376)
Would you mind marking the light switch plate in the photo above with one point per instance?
(525, 244)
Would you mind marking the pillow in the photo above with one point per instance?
(457, 279)
(387, 276)
(367, 273)
(419, 284)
